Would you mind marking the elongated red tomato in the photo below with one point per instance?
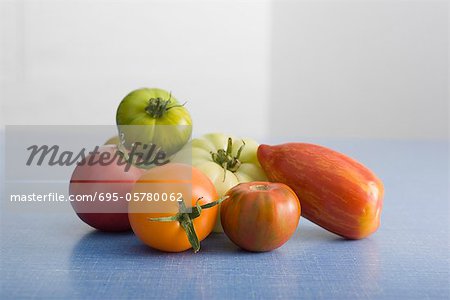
(260, 216)
(335, 191)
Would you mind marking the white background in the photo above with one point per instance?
(289, 69)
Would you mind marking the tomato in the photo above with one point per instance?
(153, 116)
(171, 178)
(260, 216)
(109, 183)
(225, 159)
(336, 192)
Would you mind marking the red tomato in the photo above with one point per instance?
(165, 181)
(260, 216)
(110, 183)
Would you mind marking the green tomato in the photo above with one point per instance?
(153, 116)
(225, 159)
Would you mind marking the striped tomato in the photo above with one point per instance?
(336, 192)
(260, 216)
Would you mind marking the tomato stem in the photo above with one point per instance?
(186, 219)
(157, 107)
(225, 158)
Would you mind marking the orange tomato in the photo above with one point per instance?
(169, 182)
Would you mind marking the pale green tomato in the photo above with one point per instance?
(153, 116)
(226, 166)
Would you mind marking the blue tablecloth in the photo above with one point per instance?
(46, 255)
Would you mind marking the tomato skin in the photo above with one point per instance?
(137, 124)
(260, 216)
(114, 217)
(170, 236)
(336, 192)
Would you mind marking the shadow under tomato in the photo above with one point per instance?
(215, 243)
(308, 232)
(108, 244)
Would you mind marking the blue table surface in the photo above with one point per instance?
(47, 255)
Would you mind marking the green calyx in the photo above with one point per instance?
(157, 107)
(186, 219)
(225, 158)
